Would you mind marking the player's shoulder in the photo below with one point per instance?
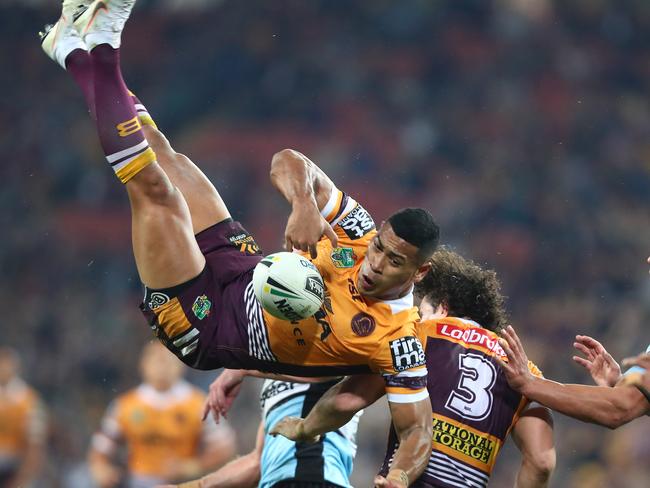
(463, 332)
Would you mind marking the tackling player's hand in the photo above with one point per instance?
(222, 393)
(516, 369)
(305, 228)
(381, 482)
(604, 370)
(293, 429)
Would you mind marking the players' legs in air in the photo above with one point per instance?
(157, 178)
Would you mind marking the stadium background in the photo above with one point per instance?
(523, 125)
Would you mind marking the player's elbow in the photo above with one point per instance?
(282, 158)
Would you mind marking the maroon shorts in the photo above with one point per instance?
(204, 321)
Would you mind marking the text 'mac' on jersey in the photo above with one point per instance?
(473, 406)
(349, 334)
(330, 459)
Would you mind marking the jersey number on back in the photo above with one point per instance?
(472, 399)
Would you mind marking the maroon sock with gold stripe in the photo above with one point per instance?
(119, 129)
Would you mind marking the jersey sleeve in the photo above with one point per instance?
(402, 364)
(110, 434)
(348, 218)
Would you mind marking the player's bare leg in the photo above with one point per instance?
(165, 250)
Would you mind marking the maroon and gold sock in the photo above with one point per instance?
(118, 126)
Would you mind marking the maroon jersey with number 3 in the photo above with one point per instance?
(473, 406)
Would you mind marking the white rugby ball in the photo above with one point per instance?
(288, 286)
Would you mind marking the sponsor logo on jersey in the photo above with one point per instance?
(343, 257)
(201, 307)
(245, 243)
(275, 388)
(315, 286)
(363, 324)
(460, 439)
(407, 353)
(357, 223)
(472, 336)
(157, 299)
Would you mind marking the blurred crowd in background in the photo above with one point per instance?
(522, 125)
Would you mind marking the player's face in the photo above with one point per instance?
(160, 368)
(390, 267)
(429, 312)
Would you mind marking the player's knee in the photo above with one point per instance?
(543, 463)
(157, 141)
(153, 186)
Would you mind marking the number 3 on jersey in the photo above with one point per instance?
(473, 399)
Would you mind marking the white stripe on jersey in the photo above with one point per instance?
(331, 202)
(348, 208)
(258, 340)
(407, 397)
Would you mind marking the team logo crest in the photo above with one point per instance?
(343, 257)
(157, 299)
(363, 324)
(201, 307)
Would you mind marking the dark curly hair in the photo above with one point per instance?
(466, 289)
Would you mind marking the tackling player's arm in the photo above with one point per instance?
(334, 409)
(412, 422)
(307, 188)
(609, 407)
(243, 472)
(533, 435)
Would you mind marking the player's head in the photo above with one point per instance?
(399, 254)
(9, 365)
(159, 367)
(458, 287)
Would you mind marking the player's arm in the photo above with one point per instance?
(34, 455)
(610, 407)
(243, 472)
(219, 445)
(103, 446)
(334, 409)
(412, 422)
(533, 435)
(225, 388)
(308, 189)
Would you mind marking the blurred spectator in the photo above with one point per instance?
(159, 426)
(22, 426)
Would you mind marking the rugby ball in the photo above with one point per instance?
(288, 286)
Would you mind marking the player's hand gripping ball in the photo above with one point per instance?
(288, 286)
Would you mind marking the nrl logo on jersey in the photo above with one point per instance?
(357, 223)
(201, 307)
(343, 257)
(407, 353)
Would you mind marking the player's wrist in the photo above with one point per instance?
(399, 477)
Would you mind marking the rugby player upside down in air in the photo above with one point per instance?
(196, 262)
(474, 409)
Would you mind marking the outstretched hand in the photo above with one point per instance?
(222, 393)
(603, 368)
(516, 368)
(381, 482)
(292, 428)
(305, 228)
